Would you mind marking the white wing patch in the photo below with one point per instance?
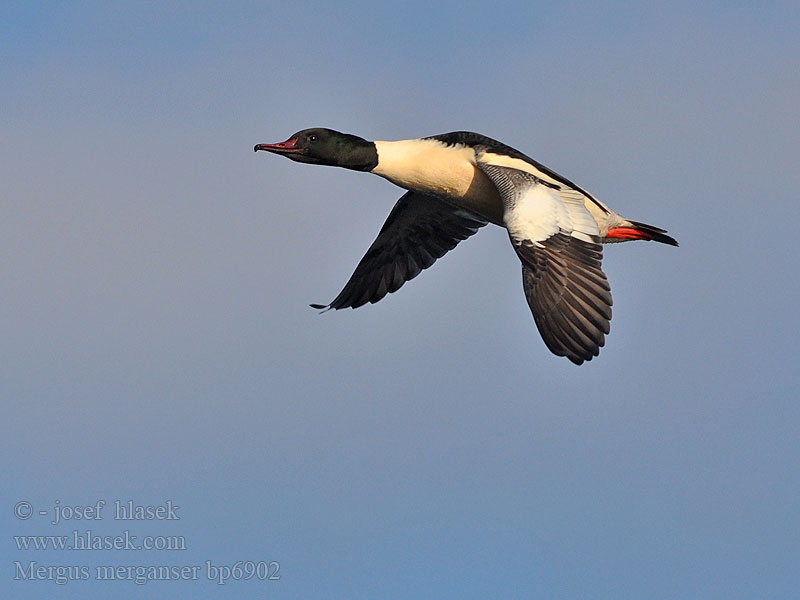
(567, 192)
(536, 214)
(536, 209)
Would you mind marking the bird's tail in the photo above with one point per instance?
(633, 230)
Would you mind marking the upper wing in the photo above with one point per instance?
(558, 243)
(511, 157)
(419, 230)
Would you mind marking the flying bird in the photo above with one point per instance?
(457, 183)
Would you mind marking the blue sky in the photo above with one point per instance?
(155, 275)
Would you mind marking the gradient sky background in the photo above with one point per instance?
(155, 276)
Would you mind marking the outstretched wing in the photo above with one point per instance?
(419, 230)
(558, 243)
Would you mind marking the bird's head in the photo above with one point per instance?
(320, 146)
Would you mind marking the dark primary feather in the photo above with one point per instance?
(568, 294)
(419, 230)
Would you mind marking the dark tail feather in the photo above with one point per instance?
(641, 231)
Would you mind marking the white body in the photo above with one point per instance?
(451, 172)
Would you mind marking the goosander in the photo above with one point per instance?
(457, 183)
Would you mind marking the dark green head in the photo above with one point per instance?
(320, 146)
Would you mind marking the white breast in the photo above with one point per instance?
(448, 171)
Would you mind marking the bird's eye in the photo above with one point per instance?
(312, 138)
